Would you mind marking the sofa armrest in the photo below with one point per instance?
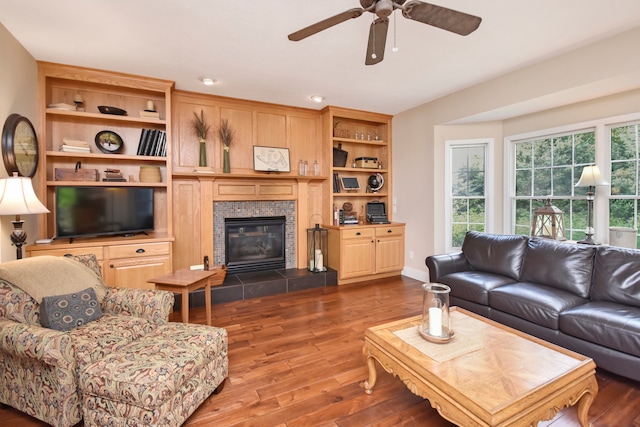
(149, 304)
(51, 347)
(441, 265)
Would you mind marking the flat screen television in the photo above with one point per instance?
(103, 211)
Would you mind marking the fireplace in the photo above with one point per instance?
(254, 243)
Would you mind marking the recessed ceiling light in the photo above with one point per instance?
(208, 81)
(317, 98)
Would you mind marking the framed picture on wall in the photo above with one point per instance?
(271, 159)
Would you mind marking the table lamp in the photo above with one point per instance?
(590, 178)
(18, 198)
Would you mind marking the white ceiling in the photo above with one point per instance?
(243, 44)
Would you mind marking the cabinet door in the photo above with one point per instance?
(389, 254)
(357, 257)
(134, 273)
(389, 249)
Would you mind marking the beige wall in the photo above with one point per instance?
(419, 135)
(18, 94)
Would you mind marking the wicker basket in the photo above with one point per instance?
(150, 174)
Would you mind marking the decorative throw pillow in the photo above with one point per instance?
(66, 312)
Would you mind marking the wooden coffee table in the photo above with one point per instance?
(488, 375)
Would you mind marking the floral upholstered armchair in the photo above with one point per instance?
(40, 366)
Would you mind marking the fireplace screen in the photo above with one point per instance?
(255, 243)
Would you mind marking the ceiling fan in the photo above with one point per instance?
(430, 14)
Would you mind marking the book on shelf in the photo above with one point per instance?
(114, 180)
(74, 146)
(153, 142)
(149, 114)
(62, 106)
(74, 149)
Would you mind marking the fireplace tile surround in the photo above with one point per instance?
(260, 284)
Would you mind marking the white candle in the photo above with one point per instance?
(435, 321)
(319, 260)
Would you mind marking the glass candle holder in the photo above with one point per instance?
(436, 323)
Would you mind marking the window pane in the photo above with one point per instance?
(623, 143)
(523, 214)
(459, 184)
(542, 153)
(623, 178)
(459, 210)
(621, 213)
(562, 185)
(585, 148)
(476, 184)
(458, 231)
(542, 182)
(562, 151)
(523, 155)
(523, 183)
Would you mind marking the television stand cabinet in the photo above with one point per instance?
(127, 262)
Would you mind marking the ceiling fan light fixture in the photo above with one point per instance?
(208, 81)
(317, 98)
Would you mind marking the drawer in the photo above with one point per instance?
(389, 231)
(358, 233)
(96, 250)
(141, 250)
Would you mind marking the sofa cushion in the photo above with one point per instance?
(495, 253)
(51, 275)
(474, 285)
(536, 303)
(560, 265)
(616, 276)
(68, 311)
(605, 323)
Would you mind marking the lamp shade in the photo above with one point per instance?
(591, 177)
(18, 198)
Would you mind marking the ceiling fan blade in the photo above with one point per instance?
(441, 17)
(377, 41)
(326, 23)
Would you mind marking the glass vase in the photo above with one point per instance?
(435, 326)
(226, 167)
(203, 153)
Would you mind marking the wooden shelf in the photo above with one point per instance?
(97, 156)
(105, 117)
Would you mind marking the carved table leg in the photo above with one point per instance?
(585, 403)
(373, 374)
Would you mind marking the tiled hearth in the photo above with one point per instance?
(262, 283)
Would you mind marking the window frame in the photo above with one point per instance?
(488, 145)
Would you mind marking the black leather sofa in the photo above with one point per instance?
(584, 298)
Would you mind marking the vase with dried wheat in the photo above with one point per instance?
(201, 128)
(226, 137)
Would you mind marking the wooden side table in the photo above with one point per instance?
(185, 281)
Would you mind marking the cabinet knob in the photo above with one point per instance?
(358, 233)
(389, 231)
(111, 266)
(140, 251)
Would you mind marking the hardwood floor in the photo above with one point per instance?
(296, 360)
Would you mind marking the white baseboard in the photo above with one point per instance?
(423, 276)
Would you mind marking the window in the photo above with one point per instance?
(467, 183)
(549, 167)
(625, 156)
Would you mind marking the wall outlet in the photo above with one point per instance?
(410, 254)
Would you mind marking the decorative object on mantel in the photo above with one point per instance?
(226, 137)
(201, 127)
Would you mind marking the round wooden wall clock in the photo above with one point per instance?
(19, 146)
(109, 142)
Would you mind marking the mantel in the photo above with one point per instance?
(207, 176)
